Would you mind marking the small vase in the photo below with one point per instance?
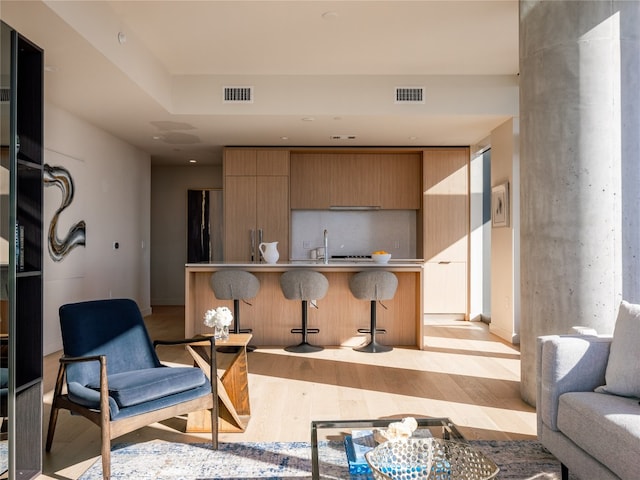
(221, 333)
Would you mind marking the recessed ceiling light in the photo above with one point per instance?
(193, 160)
(122, 38)
(413, 138)
(157, 137)
(308, 119)
(284, 138)
(50, 68)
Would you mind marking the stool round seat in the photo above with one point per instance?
(235, 285)
(373, 285)
(304, 285)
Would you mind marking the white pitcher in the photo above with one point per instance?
(269, 252)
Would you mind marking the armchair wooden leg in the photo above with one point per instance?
(53, 419)
(105, 421)
(214, 427)
(106, 458)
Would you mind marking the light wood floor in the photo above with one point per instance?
(465, 373)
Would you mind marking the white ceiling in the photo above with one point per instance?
(318, 68)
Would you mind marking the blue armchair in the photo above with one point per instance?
(114, 378)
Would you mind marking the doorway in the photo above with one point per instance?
(204, 226)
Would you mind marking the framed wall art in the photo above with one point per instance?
(500, 205)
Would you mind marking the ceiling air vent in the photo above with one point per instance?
(237, 95)
(409, 95)
(4, 94)
(342, 137)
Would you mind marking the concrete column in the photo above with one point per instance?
(576, 145)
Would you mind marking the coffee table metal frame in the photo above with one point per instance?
(448, 432)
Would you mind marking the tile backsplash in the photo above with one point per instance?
(353, 232)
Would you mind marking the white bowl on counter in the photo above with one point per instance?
(380, 257)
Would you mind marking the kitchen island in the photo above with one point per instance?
(339, 314)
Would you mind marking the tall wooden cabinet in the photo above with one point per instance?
(256, 202)
(21, 251)
(446, 230)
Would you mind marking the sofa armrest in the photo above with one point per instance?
(567, 363)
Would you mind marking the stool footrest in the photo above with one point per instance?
(368, 330)
(309, 330)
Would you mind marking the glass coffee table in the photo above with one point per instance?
(328, 454)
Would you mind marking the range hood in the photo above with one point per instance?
(354, 207)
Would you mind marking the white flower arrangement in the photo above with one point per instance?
(218, 317)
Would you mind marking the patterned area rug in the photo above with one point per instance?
(4, 456)
(157, 460)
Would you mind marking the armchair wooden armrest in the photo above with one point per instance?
(195, 341)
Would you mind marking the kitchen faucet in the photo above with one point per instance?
(326, 246)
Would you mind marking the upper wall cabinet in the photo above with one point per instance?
(324, 180)
(251, 161)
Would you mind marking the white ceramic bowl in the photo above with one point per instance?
(380, 257)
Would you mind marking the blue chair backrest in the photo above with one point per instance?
(114, 328)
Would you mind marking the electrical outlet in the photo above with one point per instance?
(396, 244)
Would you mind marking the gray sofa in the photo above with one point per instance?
(594, 434)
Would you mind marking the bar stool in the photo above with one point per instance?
(303, 285)
(373, 285)
(235, 285)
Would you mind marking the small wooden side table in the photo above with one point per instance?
(233, 385)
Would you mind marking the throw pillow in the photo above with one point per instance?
(623, 369)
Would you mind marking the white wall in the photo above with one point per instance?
(504, 248)
(169, 185)
(112, 181)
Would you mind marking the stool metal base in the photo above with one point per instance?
(303, 347)
(373, 347)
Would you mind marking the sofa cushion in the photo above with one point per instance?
(623, 368)
(139, 386)
(605, 426)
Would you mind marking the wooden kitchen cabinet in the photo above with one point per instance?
(445, 286)
(252, 161)
(355, 181)
(320, 181)
(446, 229)
(256, 200)
(310, 179)
(400, 176)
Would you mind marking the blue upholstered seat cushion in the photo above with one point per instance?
(140, 386)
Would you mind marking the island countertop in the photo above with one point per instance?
(313, 264)
(339, 314)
